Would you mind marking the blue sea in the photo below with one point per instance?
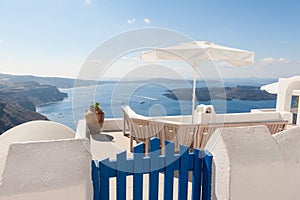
(145, 99)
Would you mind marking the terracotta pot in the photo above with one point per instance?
(92, 122)
(100, 116)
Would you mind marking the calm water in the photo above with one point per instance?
(145, 99)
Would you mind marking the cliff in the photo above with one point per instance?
(18, 101)
(13, 114)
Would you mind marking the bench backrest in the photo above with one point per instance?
(206, 130)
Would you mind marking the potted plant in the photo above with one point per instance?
(94, 118)
(99, 113)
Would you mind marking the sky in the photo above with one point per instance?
(55, 37)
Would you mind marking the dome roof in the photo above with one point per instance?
(32, 131)
(37, 130)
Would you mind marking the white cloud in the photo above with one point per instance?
(89, 2)
(274, 61)
(147, 21)
(131, 21)
(222, 64)
(229, 31)
(262, 62)
(1, 41)
(284, 42)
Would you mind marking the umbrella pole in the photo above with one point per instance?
(194, 94)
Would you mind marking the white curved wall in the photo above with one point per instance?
(38, 130)
(32, 131)
(289, 142)
(284, 93)
(47, 170)
(248, 164)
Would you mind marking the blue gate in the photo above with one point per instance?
(164, 162)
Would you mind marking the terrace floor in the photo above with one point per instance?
(108, 144)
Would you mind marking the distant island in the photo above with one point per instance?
(18, 101)
(251, 93)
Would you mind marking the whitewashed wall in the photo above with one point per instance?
(249, 163)
(32, 131)
(42, 160)
(289, 142)
(285, 91)
(45, 170)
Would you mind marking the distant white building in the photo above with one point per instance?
(285, 89)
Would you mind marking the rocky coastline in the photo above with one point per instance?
(18, 101)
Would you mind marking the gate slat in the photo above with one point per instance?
(104, 179)
(196, 186)
(169, 170)
(183, 173)
(121, 176)
(154, 167)
(95, 177)
(138, 170)
(207, 169)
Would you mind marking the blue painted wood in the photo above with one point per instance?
(169, 170)
(129, 166)
(154, 167)
(138, 171)
(191, 161)
(207, 170)
(183, 173)
(111, 168)
(121, 175)
(95, 178)
(104, 179)
(197, 171)
(198, 161)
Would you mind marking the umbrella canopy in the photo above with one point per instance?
(197, 52)
(271, 88)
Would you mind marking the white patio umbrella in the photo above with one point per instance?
(271, 88)
(197, 52)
